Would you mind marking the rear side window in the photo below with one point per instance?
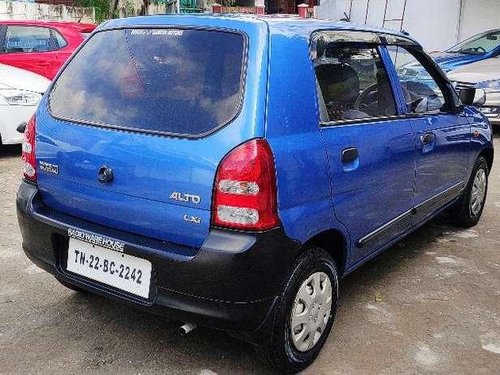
(353, 83)
(28, 39)
(61, 42)
(175, 81)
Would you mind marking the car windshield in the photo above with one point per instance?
(478, 45)
(175, 81)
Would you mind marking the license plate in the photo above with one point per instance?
(122, 271)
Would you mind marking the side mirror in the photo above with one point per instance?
(472, 96)
(422, 106)
(21, 127)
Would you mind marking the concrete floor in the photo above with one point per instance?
(430, 304)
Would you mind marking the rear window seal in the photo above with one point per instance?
(159, 132)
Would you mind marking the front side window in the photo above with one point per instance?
(176, 81)
(25, 39)
(353, 83)
(421, 91)
(478, 45)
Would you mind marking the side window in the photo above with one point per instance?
(421, 92)
(353, 83)
(2, 39)
(60, 41)
(28, 39)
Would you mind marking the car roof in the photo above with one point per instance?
(277, 24)
(80, 26)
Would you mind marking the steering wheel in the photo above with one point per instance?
(480, 49)
(360, 104)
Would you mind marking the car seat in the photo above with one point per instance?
(340, 86)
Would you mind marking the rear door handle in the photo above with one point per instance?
(427, 138)
(349, 155)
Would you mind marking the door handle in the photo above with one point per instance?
(349, 155)
(427, 138)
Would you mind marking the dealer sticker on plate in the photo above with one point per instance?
(122, 271)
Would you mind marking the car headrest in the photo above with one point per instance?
(338, 82)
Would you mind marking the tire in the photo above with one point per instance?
(465, 213)
(280, 352)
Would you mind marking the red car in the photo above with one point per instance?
(40, 46)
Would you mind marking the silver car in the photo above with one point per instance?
(484, 75)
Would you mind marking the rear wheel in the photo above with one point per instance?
(304, 314)
(469, 207)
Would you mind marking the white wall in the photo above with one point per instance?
(433, 23)
(479, 15)
(437, 24)
(18, 10)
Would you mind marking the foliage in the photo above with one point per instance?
(103, 8)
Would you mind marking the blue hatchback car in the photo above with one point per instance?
(228, 171)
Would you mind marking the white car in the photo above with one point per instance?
(484, 75)
(20, 92)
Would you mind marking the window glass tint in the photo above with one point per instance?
(478, 45)
(186, 82)
(353, 83)
(59, 39)
(422, 93)
(28, 39)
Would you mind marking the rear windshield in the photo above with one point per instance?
(175, 81)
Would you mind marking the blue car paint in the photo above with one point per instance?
(303, 180)
(451, 60)
(156, 166)
(315, 192)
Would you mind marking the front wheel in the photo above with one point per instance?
(469, 207)
(304, 314)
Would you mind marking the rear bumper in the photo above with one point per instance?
(230, 283)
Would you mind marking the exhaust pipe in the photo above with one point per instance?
(186, 328)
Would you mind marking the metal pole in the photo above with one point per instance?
(460, 18)
(367, 10)
(385, 13)
(403, 16)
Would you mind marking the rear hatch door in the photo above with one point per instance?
(157, 108)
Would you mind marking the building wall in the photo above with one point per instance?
(18, 10)
(437, 24)
(479, 15)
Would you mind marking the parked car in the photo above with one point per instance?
(482, 75)
(40, 46)
(193, 173)
(20, 92)
(480, 47)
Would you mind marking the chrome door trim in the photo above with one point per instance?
(429, 204)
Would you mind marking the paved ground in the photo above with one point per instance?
(431, 304)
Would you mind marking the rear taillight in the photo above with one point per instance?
(29, 158)
(245, 188)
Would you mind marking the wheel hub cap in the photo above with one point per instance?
(311, 311)
(478, 192)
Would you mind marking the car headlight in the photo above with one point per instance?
(489, 85)
(19, 97)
